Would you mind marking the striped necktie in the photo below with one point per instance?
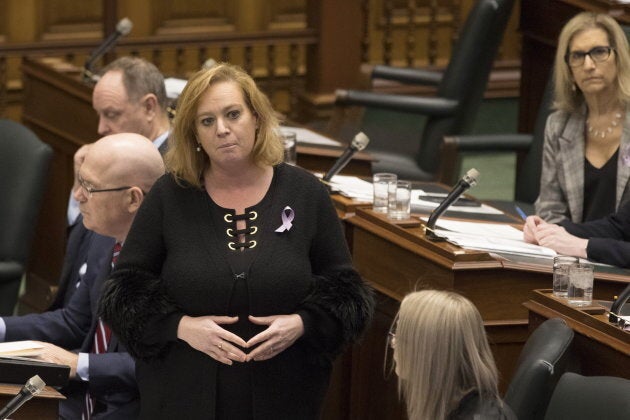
(102, 335)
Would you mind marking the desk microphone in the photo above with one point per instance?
(467, 181)
(615, 309)
(359, 142)
(123, 27)
(32, 387)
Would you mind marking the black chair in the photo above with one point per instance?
(528, 149)
(578, 397)
(404, 141)
(24, 162)
(541, 363)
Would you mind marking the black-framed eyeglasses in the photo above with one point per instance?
(89, 190)
(598, 55)
(390, 345)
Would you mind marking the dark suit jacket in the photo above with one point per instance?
(84, 247)
(112, 375)
(608, 238)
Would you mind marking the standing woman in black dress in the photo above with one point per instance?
(235, 289)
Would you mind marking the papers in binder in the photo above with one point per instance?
(20, 348)
(489, 237)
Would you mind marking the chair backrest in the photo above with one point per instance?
(541, 362)
(529, 166)
(466, 76)
(578, 397)
(24, 161)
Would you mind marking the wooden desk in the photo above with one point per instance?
(58, 108)
(44, 405)
(397, 260)
(600, 348)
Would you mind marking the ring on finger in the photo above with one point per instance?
(220, 345)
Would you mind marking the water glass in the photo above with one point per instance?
(289, 140)
(561, 266)
(580, 292)
(383, 182)
(400, 201)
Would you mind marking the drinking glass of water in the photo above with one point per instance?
(384, 183)
(561, 266)
(580, 292)
(400, 201)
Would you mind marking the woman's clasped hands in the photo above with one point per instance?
(206, 335)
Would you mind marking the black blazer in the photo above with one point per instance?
(112, 379)
(85, 249)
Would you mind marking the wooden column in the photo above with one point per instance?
(334, 62)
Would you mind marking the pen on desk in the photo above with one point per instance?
(520, 212)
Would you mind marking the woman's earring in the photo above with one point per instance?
(198, 147)
(574, 87)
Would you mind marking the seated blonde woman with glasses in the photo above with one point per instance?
(443, 361)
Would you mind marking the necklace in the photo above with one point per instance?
(604, 132)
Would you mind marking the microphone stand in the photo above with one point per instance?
(467, 181)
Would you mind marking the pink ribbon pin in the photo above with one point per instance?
(287, 217)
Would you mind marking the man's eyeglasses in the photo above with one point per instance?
(89, 190)
(390, 345)
(597, 54)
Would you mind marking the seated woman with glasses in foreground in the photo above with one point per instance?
(443, 361)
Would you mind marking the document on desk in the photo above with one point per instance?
(27, 348)
(432, 200)
(490, 237)
(351, 187)
(309, 137)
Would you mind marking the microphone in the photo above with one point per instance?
(123, 27)
(32, 387)
(359, 142)
(615, 309)
(467, 181)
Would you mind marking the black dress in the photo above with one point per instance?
(176, 262)
(234, 383)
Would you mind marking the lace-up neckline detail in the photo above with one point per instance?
(241, 239)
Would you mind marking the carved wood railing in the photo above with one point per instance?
(298, 68)
(177, 56)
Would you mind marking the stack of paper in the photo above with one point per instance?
(489, 237)
(20, 348)
(352, 187)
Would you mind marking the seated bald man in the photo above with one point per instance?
(117, 172)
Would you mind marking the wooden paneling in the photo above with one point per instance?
(349, 33)
(69, 19)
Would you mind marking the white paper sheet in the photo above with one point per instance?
(306, 136)
(491, 237)
(174, 86)
(418, 201)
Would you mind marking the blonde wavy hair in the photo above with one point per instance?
(441, 353)
(566, 97)
(182, 159)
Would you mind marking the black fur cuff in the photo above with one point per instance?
(347, 298)
(133, 302)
